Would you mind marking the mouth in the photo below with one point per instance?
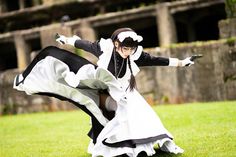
(125, 56)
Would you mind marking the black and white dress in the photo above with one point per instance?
(135, 126)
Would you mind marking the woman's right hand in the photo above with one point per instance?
(66, 40)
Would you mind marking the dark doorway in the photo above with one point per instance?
(199, 24)
(8, 58)
(12, 5)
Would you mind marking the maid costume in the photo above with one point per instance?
(134, 127)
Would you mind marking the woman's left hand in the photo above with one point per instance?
(186, 62)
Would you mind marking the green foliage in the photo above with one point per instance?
(201, 129)
(230, 8)
(231, 41)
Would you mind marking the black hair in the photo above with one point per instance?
(128, 42)
(132, 81)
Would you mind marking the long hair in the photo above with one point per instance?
(132, 81)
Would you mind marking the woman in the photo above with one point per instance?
(122, 121)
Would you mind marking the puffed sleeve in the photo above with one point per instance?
(91, 47)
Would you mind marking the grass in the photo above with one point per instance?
(201, 129)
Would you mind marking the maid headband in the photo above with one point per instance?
(121, 36)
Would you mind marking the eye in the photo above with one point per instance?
(126, 48)
(129, 48)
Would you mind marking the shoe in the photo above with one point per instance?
(171, 147)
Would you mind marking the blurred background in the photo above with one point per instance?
(170, 28)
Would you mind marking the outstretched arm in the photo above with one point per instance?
(148, 60)
(77, 42)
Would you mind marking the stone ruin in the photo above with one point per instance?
(170, 24)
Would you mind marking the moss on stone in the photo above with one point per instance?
(231, 41)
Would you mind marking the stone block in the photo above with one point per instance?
(227, 28)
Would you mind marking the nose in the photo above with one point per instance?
(128, 52)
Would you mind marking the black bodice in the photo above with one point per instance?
(117, 65)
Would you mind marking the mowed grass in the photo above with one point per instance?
(201, 129)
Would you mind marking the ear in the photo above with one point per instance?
(116, 44)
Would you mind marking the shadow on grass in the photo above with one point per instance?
(160, 153)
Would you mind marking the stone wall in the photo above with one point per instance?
(227, 28)
(211, 78)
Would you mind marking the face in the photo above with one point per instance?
(124, 51)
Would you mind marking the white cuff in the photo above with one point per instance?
(71, 40)
(173, 62)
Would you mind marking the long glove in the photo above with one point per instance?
(186, 62)
(66, 40)
(180, 63)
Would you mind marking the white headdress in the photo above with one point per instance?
(123, 35)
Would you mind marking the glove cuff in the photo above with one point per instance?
(174, 62)
(71, 40)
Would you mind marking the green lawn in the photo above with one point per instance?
(202, 129)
